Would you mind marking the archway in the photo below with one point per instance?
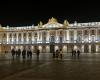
(93, 48)
(86, 48)
(69, 48)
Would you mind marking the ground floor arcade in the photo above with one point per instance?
(67, 48)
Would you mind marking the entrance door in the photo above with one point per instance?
(52, 48)
(44, 49)
(35, 48)
(86, 48)
(93, 48)
(99, 48)
(79, 47)
(70, 47)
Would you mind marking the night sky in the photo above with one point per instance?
(28, 13)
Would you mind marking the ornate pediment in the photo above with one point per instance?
(52, 23)
(1, 28)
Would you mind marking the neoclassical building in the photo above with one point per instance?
(51, 36)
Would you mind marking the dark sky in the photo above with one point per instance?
(28, 13)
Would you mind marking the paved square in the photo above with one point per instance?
(86, 67)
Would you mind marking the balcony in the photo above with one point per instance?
(48, 42)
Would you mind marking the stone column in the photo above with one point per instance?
(89, 37)
(17, 37)
(22, 39)
(64, 38)
(68, 36)
(27, 37)
(56, 38)
(12, 37)
(38, 36)
(97, 48)
(89, 48)
(32, 37)
(7, 37)
(82, 48)
(47, 36)
(82, 36)
(96, 36)
(41, 36)
(75, 36)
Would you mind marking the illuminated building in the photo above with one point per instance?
(51, 36)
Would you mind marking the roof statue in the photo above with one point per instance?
(52, 23)
(1, 28)
(75, 23)
(0, 25)
(40, 24)
(66, 23)
(49, 20)
(52, 20)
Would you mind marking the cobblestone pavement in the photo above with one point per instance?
(86, 67)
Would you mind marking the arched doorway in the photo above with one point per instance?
(99, 48)
(69, 48)
(52, 48)
(44, 49)
(86, 48)
(79, 47)
(93, 48)
(35, 48)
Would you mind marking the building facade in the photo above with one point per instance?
(52, 36)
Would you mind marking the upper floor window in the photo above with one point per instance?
(85, 32)
(15, 35)
(19, 35)
(10, 35)
(24, 35)
(35, 34)
(29, 34)
(4, 35)
(92, 32)
(98, 32)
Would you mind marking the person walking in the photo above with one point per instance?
(78, 53)
(30, 53)
(57, 53)
(24, 53)
(19, 53)
(72, 52)
(13, 53)
(38, 53)
(60, 53)
(54, 54)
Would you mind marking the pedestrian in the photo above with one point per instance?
(30, 53)
(38, 53)
(13, 53)
(19, 52)
(57, 53)
(16, 52)
(24, 53)
(54, 54)
(78, 53)
(72, 52)
(60, 53)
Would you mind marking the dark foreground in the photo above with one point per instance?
(86, 67)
